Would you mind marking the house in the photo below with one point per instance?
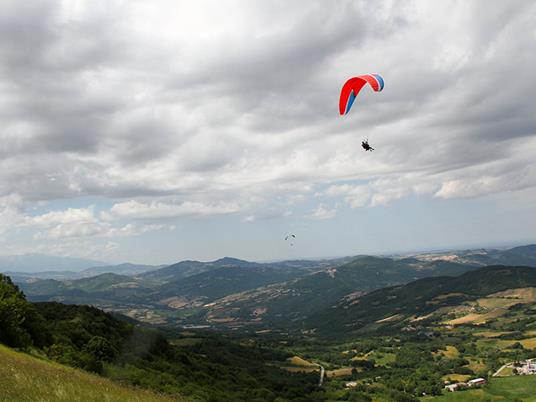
(528, 367)
(456, 387)
(477, 382)
(350, 384)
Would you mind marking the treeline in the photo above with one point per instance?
(212, 368)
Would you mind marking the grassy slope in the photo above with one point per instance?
(499, 389)
(26, 378)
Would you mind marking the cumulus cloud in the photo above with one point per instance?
(162, 210)
(322, 212)
(81, 222)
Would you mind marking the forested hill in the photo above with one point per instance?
(205, 368)
(399, 305)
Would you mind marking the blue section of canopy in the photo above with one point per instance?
(351, 99)
(380, 80)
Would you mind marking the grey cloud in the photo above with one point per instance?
(94, 107)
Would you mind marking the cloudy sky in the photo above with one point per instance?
(155, 131)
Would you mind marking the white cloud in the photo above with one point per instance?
(322, 212)
(81, 222)
(356, 196)
(161, 210)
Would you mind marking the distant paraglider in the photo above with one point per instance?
(290, 238)
(351, 89)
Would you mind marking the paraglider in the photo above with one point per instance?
(351, 89)
(366, 146)
(291, 237)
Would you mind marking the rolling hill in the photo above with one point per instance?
(417, 301)
(238, 294)
(121, 269)
(288, 304)
(516, 256)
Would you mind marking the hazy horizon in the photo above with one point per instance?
(497, 246)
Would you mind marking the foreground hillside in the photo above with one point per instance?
(203, 367)
(26, 378)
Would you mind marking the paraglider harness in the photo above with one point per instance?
(366, 145)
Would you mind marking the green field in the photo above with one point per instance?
(499, 389)
(26, 378)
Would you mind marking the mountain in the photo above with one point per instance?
(41, 263)
(243, 295)
(226, 280)
(180, 288)
(28, 276)
(178, 270)
(103, 290)
(517, 256)
(414, 302)
(287, 304)
(186, 269)
(121, 269)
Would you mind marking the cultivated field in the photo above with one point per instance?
(499, 389)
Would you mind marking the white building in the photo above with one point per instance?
(456, 387)
(528, 367)
(477, 382)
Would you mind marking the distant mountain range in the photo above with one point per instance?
(522, 255)
(121, 269)
(240, 295)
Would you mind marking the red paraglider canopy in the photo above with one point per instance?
(352, 87)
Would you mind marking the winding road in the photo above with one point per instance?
(322, 371)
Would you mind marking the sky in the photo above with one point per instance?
(157, 131)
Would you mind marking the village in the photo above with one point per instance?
(527, 367)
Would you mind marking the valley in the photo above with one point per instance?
(397, 328)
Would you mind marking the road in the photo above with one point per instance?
(502, 367)
(322, 371)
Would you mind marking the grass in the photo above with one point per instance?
(391, 318)
(529, 343)
(476, 366)
(340, 372)
(490, 334)
(474, 318)
(301, 369)
(382, 358)
(499, 389)
(506, 372)
(456, 377)
(451, 352)
(298, 361)
(24, 378)
(487, 343)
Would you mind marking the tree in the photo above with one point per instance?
(20, 324)
(101, 349)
